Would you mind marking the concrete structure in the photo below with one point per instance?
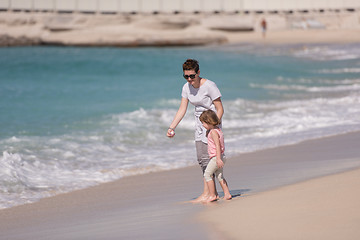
(174, 6)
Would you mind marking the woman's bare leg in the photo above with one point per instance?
(212, 195)
(204, 195)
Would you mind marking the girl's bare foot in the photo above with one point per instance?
(227, 197)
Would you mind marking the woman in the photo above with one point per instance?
(204, 95)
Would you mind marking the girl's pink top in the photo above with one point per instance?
(211, 143)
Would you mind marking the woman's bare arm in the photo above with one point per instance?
(178, 116)
(219, 108)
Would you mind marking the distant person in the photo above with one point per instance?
(304, 23)
(204, 95)
(263, 27)
(216, 150)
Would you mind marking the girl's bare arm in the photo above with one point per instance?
(215, 136)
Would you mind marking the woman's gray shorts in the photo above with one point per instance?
(202, 154)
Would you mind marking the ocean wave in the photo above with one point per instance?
(338, 88)
(328, 53)
(132, 143)
(279, 87)
(23, 181)
(295, 80)
(339, 81)
(313, 113)
(33, 167)
(274, 123)
(168, 103)
(340, 70)
(353, 87)
(312, 81)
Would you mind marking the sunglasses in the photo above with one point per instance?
(192, 76)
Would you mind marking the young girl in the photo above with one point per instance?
(216, 149)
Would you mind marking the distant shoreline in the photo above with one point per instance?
(142, 30)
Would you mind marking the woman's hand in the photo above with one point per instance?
(178, 117)
(170, 132)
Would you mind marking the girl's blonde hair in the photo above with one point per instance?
(210, 117)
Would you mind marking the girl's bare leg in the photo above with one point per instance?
(225, 187)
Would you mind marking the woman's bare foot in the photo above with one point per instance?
(211, 199)
(200, 199)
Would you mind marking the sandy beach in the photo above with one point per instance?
(155, 205)
(126, 30)
(323, 208)
(303, 191)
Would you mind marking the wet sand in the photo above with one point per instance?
(155, 205)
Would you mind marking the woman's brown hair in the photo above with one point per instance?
(191, 64)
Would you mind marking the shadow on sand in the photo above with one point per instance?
(235, 193)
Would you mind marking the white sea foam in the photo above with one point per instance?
(290, 122)
(122, 145)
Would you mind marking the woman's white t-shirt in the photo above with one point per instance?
(202, 98)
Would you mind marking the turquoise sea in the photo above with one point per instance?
(76, 117)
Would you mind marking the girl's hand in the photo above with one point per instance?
(170, 132)
(219, 163)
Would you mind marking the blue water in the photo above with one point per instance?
(75, 117)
